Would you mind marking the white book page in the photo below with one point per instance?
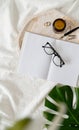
(33, 60)
(69, 72)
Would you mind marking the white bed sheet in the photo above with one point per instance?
(17, 91)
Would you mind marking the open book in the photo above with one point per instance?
(34, 60)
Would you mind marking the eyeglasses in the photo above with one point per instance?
(49, 50)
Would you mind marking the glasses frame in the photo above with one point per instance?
(55, 53)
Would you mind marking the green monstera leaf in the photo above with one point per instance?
(62, 95)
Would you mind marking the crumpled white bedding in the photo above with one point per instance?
(18, 91)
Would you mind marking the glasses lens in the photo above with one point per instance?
(56, 60)
(48, 49)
